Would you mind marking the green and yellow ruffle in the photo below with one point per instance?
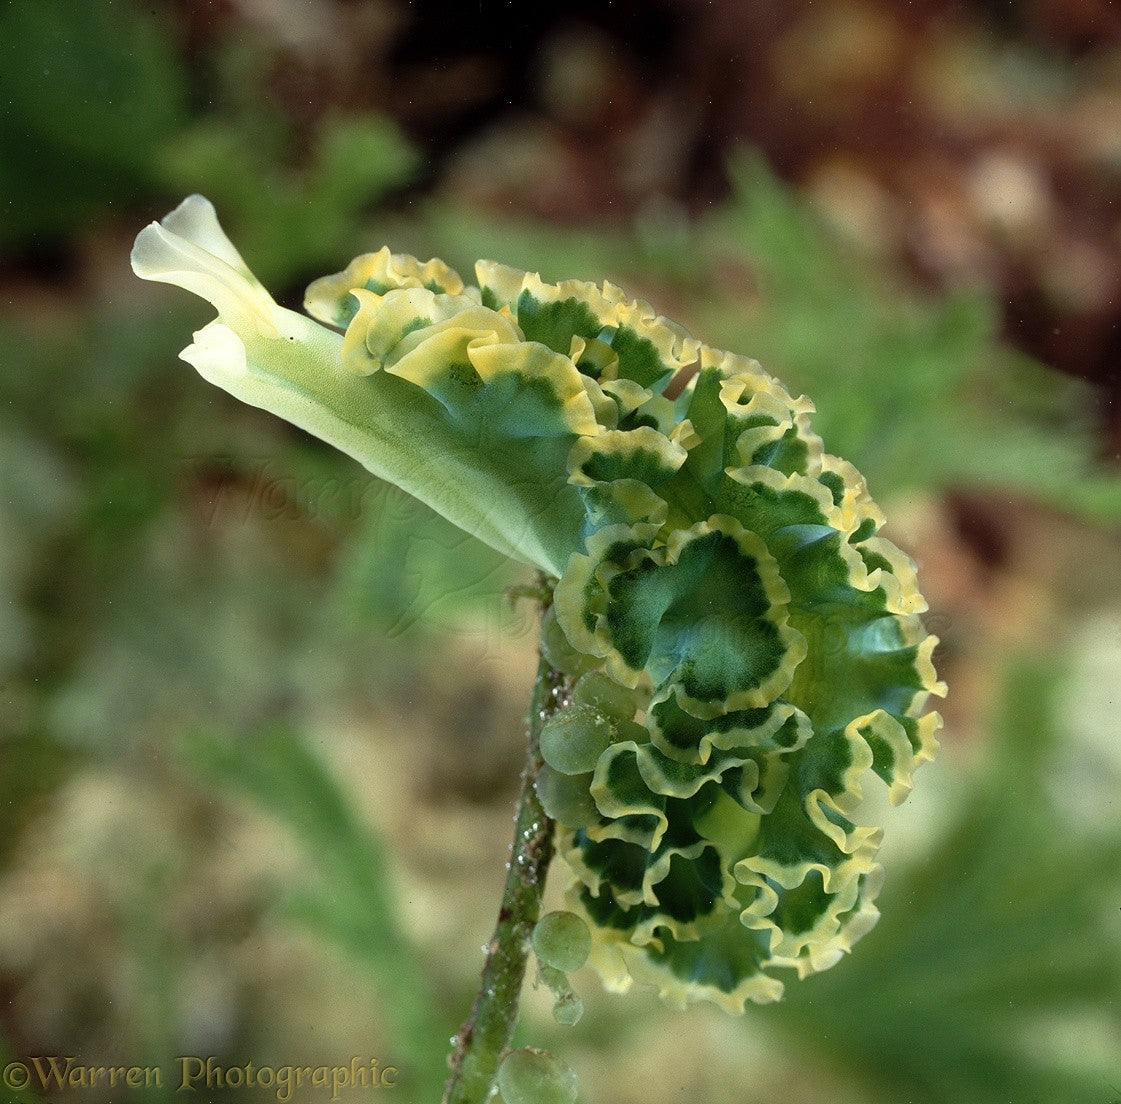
(759, 646)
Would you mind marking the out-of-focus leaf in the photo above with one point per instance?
(31, 767)
(87, 92)
(157, 957)
(350, 903)
(904, 386)
(988, 948)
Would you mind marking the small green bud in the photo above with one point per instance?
(562, 940)
(565, 797)
(573, 739)
(532, 1076)
(600, 692)
(557, 650)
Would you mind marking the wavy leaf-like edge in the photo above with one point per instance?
(603, 307)
(572, 374)
(583, 604)
(329, 299)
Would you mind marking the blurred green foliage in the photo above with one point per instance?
(350, 903)
(90, 93)
(177, 570)
(994, 972)
(299, 220)
(916, 391)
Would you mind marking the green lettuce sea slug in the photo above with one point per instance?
(741, 644)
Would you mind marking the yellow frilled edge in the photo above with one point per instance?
(728, 574)
(722, 570)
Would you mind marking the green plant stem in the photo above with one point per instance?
(485, 1036)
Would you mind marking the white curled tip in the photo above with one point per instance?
(218, 355)
(196, 220)
(190, 249)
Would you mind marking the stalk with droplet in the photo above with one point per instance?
(486, 1035)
